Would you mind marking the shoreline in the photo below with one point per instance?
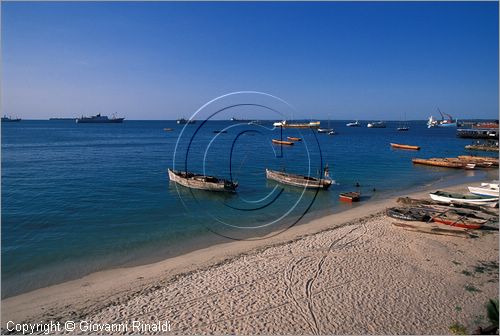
(96, 291)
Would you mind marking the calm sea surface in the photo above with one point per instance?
(81, 198)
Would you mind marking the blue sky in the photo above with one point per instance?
(163, 60)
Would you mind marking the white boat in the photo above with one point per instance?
(377, 124)
(332, 132)
(353, 124)
(486, 189)
(286, 124)
(450, 122)
(447, 197)
(325, 130)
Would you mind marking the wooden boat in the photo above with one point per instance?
(479, 159)
(454, 219)
(440, 163)
(488, 146)
(408, 214)
(294, 139)
(299, 180)
(352, 196)
(448, 197)
(282, 142)
(395, 145)
(462, 206)
(202, 182)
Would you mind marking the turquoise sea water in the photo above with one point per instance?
(81, 198)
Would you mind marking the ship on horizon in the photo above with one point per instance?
(10, 119)
(98, 118)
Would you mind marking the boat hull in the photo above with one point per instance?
(102, 121)
(197, 182)
(298, 180)
(281, 142)
(350, 197)
(457, 223)
(477, 200)
(400, 146)
(484, 191)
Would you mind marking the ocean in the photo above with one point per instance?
(79, 198)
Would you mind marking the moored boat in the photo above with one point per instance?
(282, 142)
(167, 129)
(439, 163)
(300, 180)
(99, 119)
(285, 124)
(479, 159)
(447, 197)
(294, 139)
(377, 124)
(351, 196)
(183, 121)
(353, 124)
(325, 130)
(201, 182)
(10, 119)
(404, 128)
(395, 145)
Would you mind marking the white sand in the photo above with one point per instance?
(337, 274)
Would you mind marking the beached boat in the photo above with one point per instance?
(440, 163)
(202, 182)
(300, 180)
(353, 124)
(486, 189)
(99, 119)
(453, 219)
(352, 196)
(285, 124)
(491, 212)
(377, 124)
(394, 145)
(282, 142)
(447, 197)
(408, 214)
(294, 139)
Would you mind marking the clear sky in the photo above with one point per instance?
(163, 60)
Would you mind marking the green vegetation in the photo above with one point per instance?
(458, 329)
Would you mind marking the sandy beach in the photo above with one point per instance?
(348, 273)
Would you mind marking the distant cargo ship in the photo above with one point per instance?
(183, 121)
(62, 118)
(9, 119)
(285, 124)
(98, 119)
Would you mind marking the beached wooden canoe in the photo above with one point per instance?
(294, 139)
(408, 214)
(454, 219)
(490, 212)
(298, 180)
(281, 142)
(440, 163)
(395, 145)
(202, 182)
(447, 197)
(352, 196)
